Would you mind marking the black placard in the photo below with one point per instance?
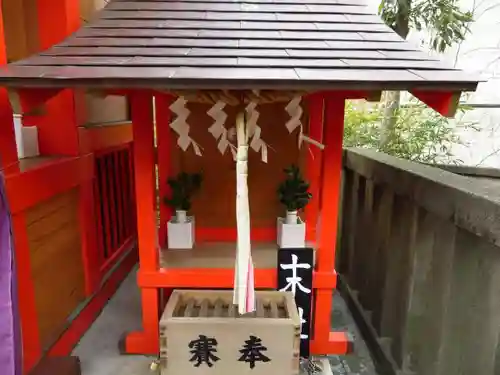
(295, 274)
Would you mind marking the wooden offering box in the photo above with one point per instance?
(202, 333)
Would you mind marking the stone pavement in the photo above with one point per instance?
(98, 349)
(359, 362)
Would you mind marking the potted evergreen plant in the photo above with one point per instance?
(180, 228)
(294, 194)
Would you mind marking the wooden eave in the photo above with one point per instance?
(222, 44)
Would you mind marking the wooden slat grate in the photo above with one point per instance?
(207, 308)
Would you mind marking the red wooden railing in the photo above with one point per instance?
(114, 203)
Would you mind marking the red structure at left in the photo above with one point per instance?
(73, 207)
(264, 54)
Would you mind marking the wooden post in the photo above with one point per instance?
(330, 192)
(147, 341)
(313, 169)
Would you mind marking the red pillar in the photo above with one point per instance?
(58, 127)
(8, 151)
(326, 342)
(8, 156)
(88, 231)
(313, 169)
(163, 139)
(146, 341)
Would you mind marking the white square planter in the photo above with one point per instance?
(26, 139)
(291, 235)
(180, 235)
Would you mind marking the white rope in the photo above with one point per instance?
(244, 288)
(181, 127)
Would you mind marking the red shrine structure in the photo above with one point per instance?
(270, 52)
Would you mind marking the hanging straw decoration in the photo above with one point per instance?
(219, 132)
(181, 127)
(295, 111)
(244, 284)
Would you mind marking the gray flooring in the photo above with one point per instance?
(98, 349)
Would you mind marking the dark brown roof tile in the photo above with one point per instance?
(236, 73)
(357, 75)
(276, 44)
(225, 52)
(320, 35)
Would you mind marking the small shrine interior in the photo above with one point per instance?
(190, 69)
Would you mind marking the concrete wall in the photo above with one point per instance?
(420, 250)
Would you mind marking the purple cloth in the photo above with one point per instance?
(10, 340)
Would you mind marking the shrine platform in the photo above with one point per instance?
(99, 354)
(213, 254)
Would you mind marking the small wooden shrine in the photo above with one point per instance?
(293, 63)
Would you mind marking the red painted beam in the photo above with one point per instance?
(221, 278)
(28, 100)
(445, 103)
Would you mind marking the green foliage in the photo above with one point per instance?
(182, 187)
(443, 18)
(293, 192)
(419, 133)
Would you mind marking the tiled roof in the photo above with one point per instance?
(212, 44)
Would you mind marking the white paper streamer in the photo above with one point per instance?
(181, 127)
(295, 111)
(254, 131)
(219, 132)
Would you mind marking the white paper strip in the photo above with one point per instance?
(218, 131)
(254, 131)
(181, 127)
(295, 111)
